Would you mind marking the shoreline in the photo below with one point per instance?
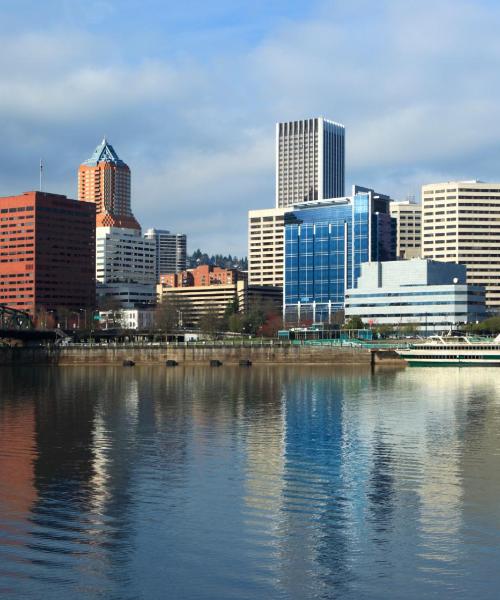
(227, 355)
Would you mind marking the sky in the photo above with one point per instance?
(189, 92)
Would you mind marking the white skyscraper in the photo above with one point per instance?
(125, 266)
(309, 161)
(170, 251)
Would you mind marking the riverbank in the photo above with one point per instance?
(149, 355)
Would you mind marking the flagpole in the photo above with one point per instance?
(41, 171)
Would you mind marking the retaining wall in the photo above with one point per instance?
(148, 355)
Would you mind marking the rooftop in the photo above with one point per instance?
(104, 153)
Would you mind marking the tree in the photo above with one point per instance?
(488, 326)
(235, 323)
(231, 309)
(271, 326)
(409, 329)
(354, 322)
(384, 330)
(172, 313)
(210, 322)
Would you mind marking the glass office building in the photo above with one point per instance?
(325, 244)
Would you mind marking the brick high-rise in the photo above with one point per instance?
(105, 180)
(47, 252)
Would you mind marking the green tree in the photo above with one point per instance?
(210, 322)
(354, 322)
(409, 329)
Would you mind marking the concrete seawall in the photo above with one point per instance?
(149, 355)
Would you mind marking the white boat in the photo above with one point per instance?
(453, 351)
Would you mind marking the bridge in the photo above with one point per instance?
(18, 325)
(14, 320)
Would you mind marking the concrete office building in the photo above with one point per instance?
(47, 253)
(125, 266)
(171, 253)
(461, 224)
(431, 295)
(408, 215)
(266, 231)
(309, 161)
(325, 244)
(195, 301)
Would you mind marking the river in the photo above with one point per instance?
(264, 483)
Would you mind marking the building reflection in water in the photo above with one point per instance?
(295, 482)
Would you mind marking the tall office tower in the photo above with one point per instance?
(408, 215)
(47, 253)
(171, 254)
(125, 267)
(266, 231)
(309, 161)
(461, 223)
(325, 244)
(105, 180)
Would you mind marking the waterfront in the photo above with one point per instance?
(268, 482)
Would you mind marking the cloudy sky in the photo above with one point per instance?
(189, 92)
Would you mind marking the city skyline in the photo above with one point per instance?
(209, 84)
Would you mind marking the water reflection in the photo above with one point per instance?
(250, 483)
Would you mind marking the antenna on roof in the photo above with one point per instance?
(41, 173)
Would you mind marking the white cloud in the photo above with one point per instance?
(415, 83)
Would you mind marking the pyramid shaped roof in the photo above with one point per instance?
(104, 153)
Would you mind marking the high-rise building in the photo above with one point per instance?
(408, 217)
(47, 253)
(171, 252)
(266, 231)
(105, 180)
(309, 161)
(325, 244)
(461, 223)
(125, 266)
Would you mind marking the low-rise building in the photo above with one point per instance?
(193, 302)
(127, 319)
(430, 295)
(203, 275)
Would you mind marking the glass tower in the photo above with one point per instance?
(325, 244)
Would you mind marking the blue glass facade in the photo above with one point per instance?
(324, 248)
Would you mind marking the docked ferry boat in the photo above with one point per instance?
(459, 351)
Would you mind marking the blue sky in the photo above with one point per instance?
(189, 92)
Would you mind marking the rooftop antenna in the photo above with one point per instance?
(41, 173)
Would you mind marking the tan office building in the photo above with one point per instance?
(408, 217)
(461, 223)
(266, 231)
(195, 301)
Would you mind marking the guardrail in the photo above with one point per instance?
(241, 344)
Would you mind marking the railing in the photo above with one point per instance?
(255, 343)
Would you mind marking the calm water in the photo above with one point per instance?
(260, 483)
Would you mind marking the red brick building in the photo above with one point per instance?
(47, 252)
(202, 276)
